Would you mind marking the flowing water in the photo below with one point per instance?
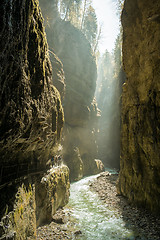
(93, 218)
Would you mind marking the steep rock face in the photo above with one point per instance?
(80, 71)
(52, 192)
(81, 113)
(80, 147)
(140, 166)
(71, 46)
(58, 74)
(31, 111)
(20, 223)
(31, 117)
(34, 204)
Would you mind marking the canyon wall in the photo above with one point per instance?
(31, 120)
(140, 128)
(80, 109)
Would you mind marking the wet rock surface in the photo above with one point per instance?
(144, 224)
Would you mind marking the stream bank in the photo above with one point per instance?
(100, 214)
(141, 223)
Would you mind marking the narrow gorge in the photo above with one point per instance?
(68, 111)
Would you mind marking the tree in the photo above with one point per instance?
(90, 25)
(69, 8)
(120, 4)
(82, 15)
(74, 13)
(118, 53)
(87, 3)
(97, 40)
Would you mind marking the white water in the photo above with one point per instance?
(93, 218)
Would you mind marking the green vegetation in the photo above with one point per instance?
(82, 15)
(23, 219)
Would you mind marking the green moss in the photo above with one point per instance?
(23, 221)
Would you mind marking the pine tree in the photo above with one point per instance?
(82, 15)
(90, 25)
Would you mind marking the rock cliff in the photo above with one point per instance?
(140, 135)
(31, 111)
(80, 111)
(31, 116)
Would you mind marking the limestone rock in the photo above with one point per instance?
(31, 116)
(80, 71)
(140, 137)
(100, 166)
(58, 74)
(80, 109)
(52, 192)
(31, 111)
(21, 222)
(84, 139)
(74, 162)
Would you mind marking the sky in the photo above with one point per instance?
(107, 17)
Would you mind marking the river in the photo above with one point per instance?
(95, 221)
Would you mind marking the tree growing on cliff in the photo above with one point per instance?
(82, 15)
(70, 10)
(117, 53)
(120, 4)
(90, 26)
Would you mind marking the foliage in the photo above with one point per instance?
(117, 53)
(90, 25)
(119, 4)
(82, 15)
(70, 10)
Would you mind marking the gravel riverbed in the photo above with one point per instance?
(62, 227)
(144, 225)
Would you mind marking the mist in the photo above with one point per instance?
(108, 94)
(108, 86)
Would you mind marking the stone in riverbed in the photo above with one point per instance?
(78, 232)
